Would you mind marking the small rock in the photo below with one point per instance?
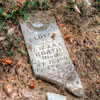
(11, 31)
(76, 9)
(52, 96)
(2, 38)
(8, 88)
(78, 92)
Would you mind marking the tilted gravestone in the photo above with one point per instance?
(48, 53)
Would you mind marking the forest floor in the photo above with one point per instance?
(81, 33)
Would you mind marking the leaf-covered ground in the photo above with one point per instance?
(81, 33)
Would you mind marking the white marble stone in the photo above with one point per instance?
(88, 2)
(48, 53)
(52, 96)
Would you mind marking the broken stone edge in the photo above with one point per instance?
(60, 97)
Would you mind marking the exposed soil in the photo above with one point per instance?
(83, 45)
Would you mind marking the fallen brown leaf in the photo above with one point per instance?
(71, 41)
(19, 63)
(41, 8)
(10, 21)
(40, 81)
(66, 37)
(8, 88)
(11, 78)
(87, 64)
(6, 61)
(32, 84)
(58, 22)
(98, 20)
(82, 79)
(73, 57)
(15, 9)
(18, 3)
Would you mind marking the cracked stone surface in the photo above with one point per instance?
(52, 96)
(48, 53)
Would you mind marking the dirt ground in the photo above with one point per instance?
(83, 45)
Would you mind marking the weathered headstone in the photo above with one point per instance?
(48, 53)
(52, 96)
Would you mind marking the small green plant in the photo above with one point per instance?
(70, 6)
(96, 23)
(44, 5)
(97, 1)
(40, 5)
(1, 9)
(18, 11)
(22, 10)
(12, 14)
(21, 51)
(97, 4)
(2, 26)
(13, 41)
